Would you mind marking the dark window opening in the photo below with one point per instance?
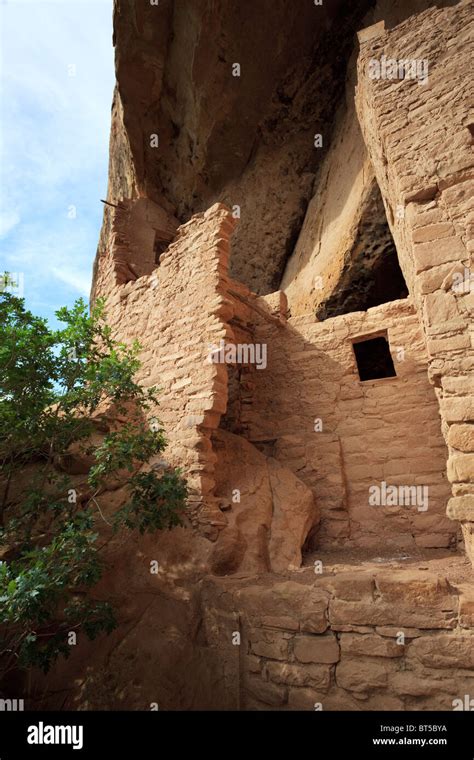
(371, 274)
(374, 359)
(159, 247)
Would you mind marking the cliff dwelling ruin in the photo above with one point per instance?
(331, 517)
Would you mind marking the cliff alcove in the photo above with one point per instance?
(234, 224)
(371, 273)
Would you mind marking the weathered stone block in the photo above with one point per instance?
(433, 232)
(461, 468)
(316, 648)
(317, 676)
(371, 644)
(284, 622)
(458, 409)
(444, 650)
(273, 648)
(440, 307)
(461, 508)
(438, 252)
(361, 675)
(461, 437)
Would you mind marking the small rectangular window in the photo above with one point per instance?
(373, 358)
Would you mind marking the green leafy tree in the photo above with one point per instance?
(53, 386)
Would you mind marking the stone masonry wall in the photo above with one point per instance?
(243, 620)
(420, 139)
(306, 410)
(180, 313)
(380, 431)
(134, 226)
(363, 638)
(176, 312)
(341, 436)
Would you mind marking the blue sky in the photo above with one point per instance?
(57, 78)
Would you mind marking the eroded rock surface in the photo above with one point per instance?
(269, 514)
(232, 621)
(243, 140)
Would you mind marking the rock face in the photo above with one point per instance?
(246, 140)
(271, 513)
(305, 308)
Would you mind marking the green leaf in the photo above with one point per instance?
(52, 383)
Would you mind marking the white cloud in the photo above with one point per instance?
(8, 221)
(78, 281)
(54, 152)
